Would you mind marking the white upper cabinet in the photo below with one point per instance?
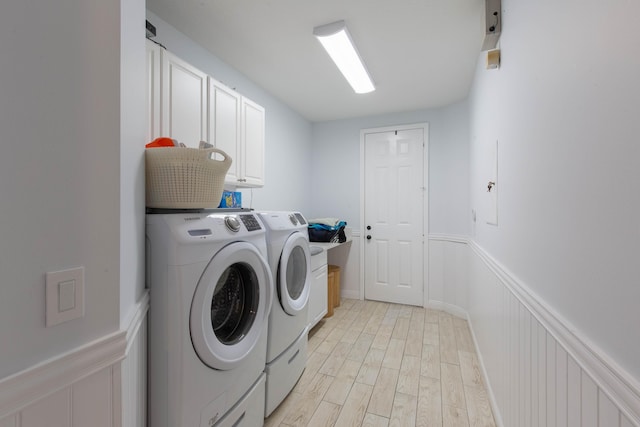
(153, 90)
(184, 101)
(236, 127)
(252, 136)
(224, 125)
(186, 104)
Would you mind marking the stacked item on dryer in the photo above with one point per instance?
(290, 262)
(211, 292)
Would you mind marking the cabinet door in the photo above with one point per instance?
(318, 298)
(153, 91)
(224, 125)
(184, 101)
(253, 119)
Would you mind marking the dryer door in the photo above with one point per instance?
(294, 274)
(231, 305)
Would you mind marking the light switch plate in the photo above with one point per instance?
(65, 295)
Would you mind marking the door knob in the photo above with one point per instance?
(368, 237)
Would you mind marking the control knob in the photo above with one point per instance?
(232, 223)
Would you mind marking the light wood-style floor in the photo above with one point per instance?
(377, 364)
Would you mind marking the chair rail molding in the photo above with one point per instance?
(453, 238)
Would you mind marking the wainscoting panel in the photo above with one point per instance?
(87, 402)
(134, 369)
(134, 382)
(447, 272)
(539, 372)
(102, 384)
(53, 410)
(92, 400)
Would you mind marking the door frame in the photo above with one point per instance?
(425, 220)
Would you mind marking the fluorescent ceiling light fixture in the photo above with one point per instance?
(338, 43)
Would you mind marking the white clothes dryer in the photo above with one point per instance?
(290, 261)
(211, 292)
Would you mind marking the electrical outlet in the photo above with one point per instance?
(64, 295)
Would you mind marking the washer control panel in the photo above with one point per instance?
(250, 222)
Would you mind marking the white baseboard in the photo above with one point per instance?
(449, 308)
(350, 294)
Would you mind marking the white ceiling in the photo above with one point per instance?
(420, 53)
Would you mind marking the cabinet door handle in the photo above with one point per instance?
(368, 237)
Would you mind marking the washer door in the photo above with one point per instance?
(294, 273)
(230, 306)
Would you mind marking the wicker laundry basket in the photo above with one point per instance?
(184, 178)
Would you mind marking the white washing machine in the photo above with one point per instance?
(290, 261)
(211, 293)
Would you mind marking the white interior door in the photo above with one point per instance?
(394, 215)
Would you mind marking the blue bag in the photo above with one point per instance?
(327, 234)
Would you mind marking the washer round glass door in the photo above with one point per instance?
(294, 272)
(230, 306)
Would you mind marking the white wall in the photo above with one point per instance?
(59, 171)
(288, 135)
(564, 106)
(133, 82)
(72, 191)
(449, 171)
(335, 170)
